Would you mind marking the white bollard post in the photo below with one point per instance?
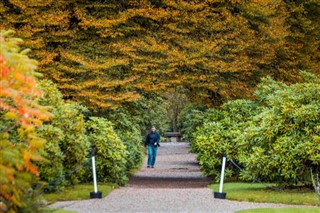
(94, 174)
(222, 172)
(96, 193)
(220, 194)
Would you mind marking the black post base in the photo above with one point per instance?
(220, 195)
(94, 195)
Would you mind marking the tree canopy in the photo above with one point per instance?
(105, 53)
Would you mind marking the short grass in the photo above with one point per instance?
(47, 210)
(255, 192)
(78, 192)
(281, 210)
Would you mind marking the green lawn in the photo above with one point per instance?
(282, 210)
(255, 192)
(78, 192)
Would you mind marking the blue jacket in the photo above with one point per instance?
(152, 137)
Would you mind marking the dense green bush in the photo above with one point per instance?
(69, 118)
(132, 140)
(130, 134)
(70, 140)
(275, 138)
(283, 145)
(189, 119)
(218, 133)
(110, 151)
(67, 144)
(51, 168)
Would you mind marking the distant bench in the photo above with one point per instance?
(173, 136)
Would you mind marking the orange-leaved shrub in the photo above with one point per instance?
(19, 116)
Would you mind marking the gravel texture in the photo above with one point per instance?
(174, 185)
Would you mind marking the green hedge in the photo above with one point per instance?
(218, 135)
(283, 143)
(111, 153)
(275, 138)
(67, 144)
(130, 134)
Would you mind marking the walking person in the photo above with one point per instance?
(152, 141)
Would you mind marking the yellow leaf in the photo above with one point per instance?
(11, 116)
(37, 143)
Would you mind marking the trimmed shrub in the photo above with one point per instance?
(284, 143)
(130, 135)
(218, 135)
(276, 138)
(67, 145)
(110, 151)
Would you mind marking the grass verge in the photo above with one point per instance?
(47, 210)
(255, 192)
(78, 192)
(281, 210)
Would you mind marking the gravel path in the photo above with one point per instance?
(174, 185)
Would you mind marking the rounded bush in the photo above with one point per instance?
(217, 135)
(110, 151)
(67, 145)
(284, 145)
